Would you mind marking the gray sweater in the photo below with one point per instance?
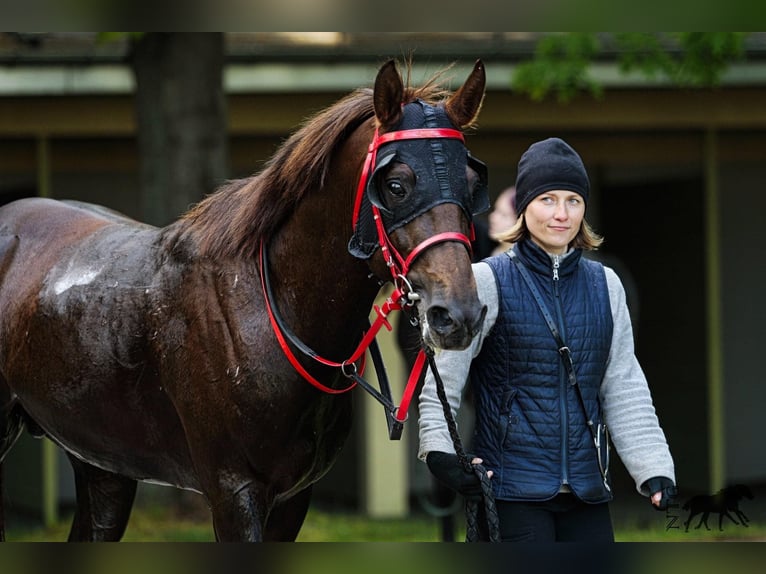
(627, 403)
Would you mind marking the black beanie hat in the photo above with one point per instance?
(547, 165)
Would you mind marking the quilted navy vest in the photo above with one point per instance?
(530, 428)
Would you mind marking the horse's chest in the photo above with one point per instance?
(318, 439)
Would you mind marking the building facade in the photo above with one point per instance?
(677, 192)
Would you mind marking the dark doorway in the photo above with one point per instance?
(656, 230)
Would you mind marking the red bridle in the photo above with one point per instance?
(399, 267)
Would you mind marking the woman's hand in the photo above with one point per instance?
(662, 490)
(447, 468)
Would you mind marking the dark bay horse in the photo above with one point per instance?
(149, 354)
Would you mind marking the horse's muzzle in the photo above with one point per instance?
(447, 329)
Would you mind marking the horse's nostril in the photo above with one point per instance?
(451, 329)
(439, 318)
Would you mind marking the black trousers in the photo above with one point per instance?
(564, 518)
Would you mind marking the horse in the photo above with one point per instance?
(175, 355)
(725, 500)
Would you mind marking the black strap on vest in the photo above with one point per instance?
(566, 356)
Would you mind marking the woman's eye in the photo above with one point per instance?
(395, 187)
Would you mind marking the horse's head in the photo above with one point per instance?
(417, 198)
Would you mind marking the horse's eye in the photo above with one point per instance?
(395, 187)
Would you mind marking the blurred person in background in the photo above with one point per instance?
(502, 218)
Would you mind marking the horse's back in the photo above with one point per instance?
(104, 212)
(41, 217)
(47, 226)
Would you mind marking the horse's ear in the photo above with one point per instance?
(388, 94)
(464, 105)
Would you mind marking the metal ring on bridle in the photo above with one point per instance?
(410, 296)
(348, 374)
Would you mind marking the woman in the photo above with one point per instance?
(532, 430)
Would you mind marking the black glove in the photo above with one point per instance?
(447, 468)
(664, 485)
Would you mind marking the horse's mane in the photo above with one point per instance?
(231, 222)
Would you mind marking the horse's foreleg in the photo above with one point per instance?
(720, 519)
(286, 518)
(104, 502)
(239, 516)
(742, 516)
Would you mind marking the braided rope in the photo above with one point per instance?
(477, 530)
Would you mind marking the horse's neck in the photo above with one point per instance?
(323, 292)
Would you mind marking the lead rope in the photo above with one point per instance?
(476, 530)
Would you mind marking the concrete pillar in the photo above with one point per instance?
(385, 462)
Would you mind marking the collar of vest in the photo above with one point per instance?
(534, 257)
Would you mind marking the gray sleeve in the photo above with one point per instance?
(453, 368)
(627, 402)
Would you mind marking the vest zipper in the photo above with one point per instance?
(562, 378)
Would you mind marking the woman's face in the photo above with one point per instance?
(554, 218)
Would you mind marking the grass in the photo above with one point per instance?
(731, 533)
(162, 524)
(158, 524)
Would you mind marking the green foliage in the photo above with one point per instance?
(561, 62)
(708, 54)
(686, 58)
(560, 66)
(644, 53)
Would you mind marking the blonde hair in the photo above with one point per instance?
(586, 239)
